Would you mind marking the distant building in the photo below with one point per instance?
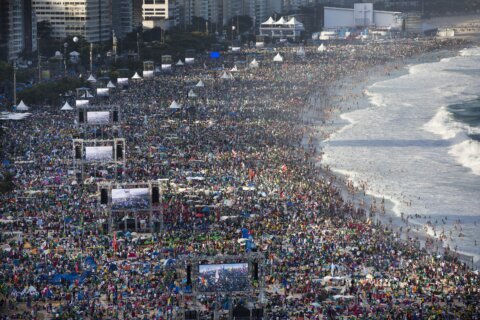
(122, 17)
(362, 15)
(91, 19)
(160, 13)
(18, 29)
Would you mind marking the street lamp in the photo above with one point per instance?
(15, 83)
(65, 45)
(233, 29)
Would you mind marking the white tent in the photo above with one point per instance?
(110, 84)
(136, 76)
(254, 63)
(280, 21)
(91, 79)
(321, 48)
(301, 52)
(180, 63)
(30, 290)
(174, 105)
(22, 106)
(66, 106)
(200, 84)
(234, 69)
(226, 76)
(278, 58)
(192, 94)
(295, 23)
(269, 22)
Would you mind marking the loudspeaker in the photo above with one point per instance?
(81, 117)
(103, 196)
(189, 275)
(119, 152)
(155, 195)
(78, 152)
(115, 116)
(255, 271)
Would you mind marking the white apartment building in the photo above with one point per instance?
(91, 19)
(160, 13)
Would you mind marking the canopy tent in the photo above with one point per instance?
(280, 21)
(91, 79)
(192, 94)
(136, 76)
(294, 22)
(174, 105)
(254, 63)
(66, 106)
(278, 58)
(179, 63)
(200, 84)
(110, 85)
(269, 22)
(22, 106)
(321, 48)
(226, 76)
(301, 52)
(234, 69)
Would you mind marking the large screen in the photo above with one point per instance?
(102, 92)
(148, 74)
(80, 103)
(99, 153)
(122, 81)
(223, 277)
(98, 117)
(130, 199)
(189, 60)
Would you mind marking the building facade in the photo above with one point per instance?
(91, 19)
(122, 17)
(160, 13)
(18, 29)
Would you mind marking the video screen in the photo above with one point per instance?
(122, 81)
(80, 103)
(223, 277)
(189, 60)
(166, 66)
(99, 153)
(98, 117)
(128, 199)
(148, 74)
(102, 92)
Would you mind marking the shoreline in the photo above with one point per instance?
(350, 94)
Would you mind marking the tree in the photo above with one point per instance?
(241, 23)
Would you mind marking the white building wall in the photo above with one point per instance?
(385, 19)
(338, 17)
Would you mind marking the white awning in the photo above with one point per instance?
(174, 105)
(278, 58)
(321, 48)
(110, 84)
(91, 79)
(180, 63)
(192, 94)
(22, 106)
(66, 106)
(234, 69)
(136, 76)
(270, 21)
(254, 63)
(281, 21)
(200, 84)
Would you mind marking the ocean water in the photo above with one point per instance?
(418, 145)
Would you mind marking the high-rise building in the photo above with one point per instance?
(160, 13)
(137, 13)
(210, 10)
(122, 17)
(18, 28)
(91, 19)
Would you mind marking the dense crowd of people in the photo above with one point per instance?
(236, 157)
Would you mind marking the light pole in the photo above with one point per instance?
(65, 46)
(91, 58)
(233, 29)
(15, 83)
(39, 57)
